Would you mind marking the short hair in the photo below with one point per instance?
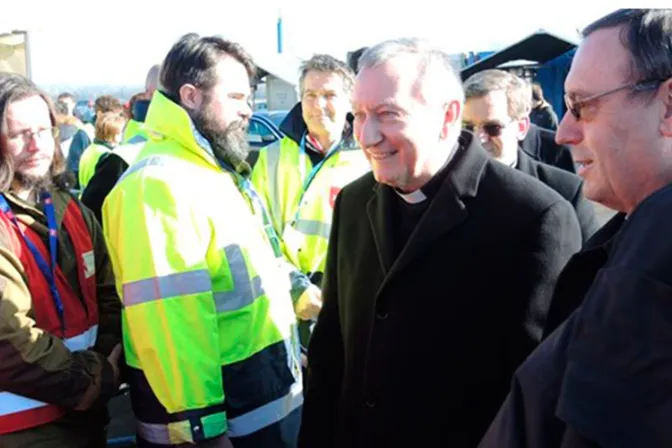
(152, 79)
(193, 60)
(108, 103)
(430, 59)
(353, 59)
(14, 88)
(66, 96)
(537, 92)
(61, 108)
(647, 35)
(327, 64)
(109, 126)
(518, 98)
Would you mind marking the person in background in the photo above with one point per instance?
(81, 139)
(497, 111)
(69, 102)
(109, 129)
(439, 273)
(60, 316)
(67, 125)
(139, 105)
(542, 113)
(299, 177)
(209, 303)
(112, 164)
(602, 377)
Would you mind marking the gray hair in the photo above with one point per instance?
(430, 57)
(518, 91)
(327, 64)
(152, 80)
(647, 35)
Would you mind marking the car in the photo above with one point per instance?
(264, 130)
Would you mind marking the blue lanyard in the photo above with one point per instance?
(311, 176)
(245, 186)
(48, 271)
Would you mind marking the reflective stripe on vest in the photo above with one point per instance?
(304, 217)
(11, 403)
(17, 412)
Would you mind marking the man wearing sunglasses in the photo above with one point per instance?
(497, 111)
(602, 378)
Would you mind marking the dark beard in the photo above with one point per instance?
(230, 144)
(35, 183)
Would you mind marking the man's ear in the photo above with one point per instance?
(523, 128)
(666, 119)
(452, 115)
(191, 97)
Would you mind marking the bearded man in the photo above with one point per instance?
(209, 302)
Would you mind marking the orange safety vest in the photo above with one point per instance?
(80, 317)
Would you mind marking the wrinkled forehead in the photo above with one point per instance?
(396, 81)
(601, 62)
(317, 81)
(493, 106)
(27, 113)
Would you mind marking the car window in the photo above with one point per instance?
(259, 132)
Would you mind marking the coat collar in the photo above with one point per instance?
(445, 211)
(168, 120)
(531, 144)
(526, 163)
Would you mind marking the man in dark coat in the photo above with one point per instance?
(541, 145)
(542, 113)
(497, 110)
(602, 378)
(440, 267)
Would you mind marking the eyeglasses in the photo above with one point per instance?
(40, 134)
(575, 107)
(491, 129)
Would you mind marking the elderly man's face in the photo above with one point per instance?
(616, 142)
(398, 123)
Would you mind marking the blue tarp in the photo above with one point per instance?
(551, 76)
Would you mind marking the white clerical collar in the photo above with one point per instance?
(414, 197)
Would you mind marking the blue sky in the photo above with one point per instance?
(73, 43)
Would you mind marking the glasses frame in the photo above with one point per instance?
(473, 129)
(574, 107)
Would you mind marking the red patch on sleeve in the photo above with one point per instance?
(332, 195)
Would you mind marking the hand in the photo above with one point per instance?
(309, 304)
(113, 359)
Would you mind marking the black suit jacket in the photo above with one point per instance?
(602, 378)
(568, 185)
(540, 144)
(419, 351)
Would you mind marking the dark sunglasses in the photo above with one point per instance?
(492, 129)
(575, 106)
